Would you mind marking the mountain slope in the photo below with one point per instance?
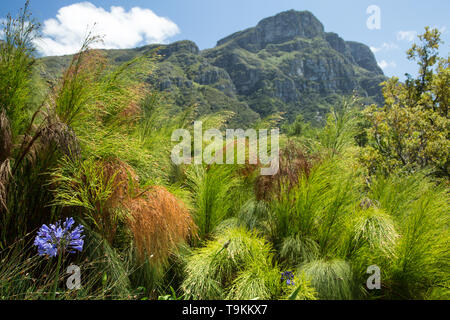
(286, 63)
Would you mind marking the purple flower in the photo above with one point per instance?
(59, 237)
(289, 277)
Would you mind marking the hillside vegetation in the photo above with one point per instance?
(93, 143)
(286, 64)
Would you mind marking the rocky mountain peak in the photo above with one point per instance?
(286, 63)
(280, 28)
(288, 25)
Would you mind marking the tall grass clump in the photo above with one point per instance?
(340, 132)
(254, 215)
(370, 230)
(293, 163)
(211, 271)
(341, 128)
(296, 250)
(17, 58)
(423, 259)
(332, 279)
(96, 188)
(26, 276)
(257, 281)
(213, 190)
(315, 209)
(31, 136)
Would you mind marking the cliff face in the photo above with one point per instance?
(286, 63)
(278, 29)
(190, 79)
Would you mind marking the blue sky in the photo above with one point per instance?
(206, 21)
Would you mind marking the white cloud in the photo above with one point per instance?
(406, 35)
(2, 25)
(384, 47)
(384, 64)
(120, 29)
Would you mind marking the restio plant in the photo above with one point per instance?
(86, 179)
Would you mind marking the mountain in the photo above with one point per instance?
(286, 63)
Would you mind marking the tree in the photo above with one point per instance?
(412, 130)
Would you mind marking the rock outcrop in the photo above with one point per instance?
(287, 63)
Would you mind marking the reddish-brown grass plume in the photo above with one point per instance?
(293, 163)
(124, 181)
(158, 222)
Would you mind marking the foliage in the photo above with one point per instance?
(212, 191)
(95, 142)
(333, 280)
(411, 131)
(293, 162)
(421, 216)
(237, 264)
(303, 290)
(316, 207)
(16, 68)
(158, 222)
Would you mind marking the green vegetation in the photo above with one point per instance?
(369, 187)
(255, 78)
(412, 130)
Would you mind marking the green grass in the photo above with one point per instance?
(59, 143)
